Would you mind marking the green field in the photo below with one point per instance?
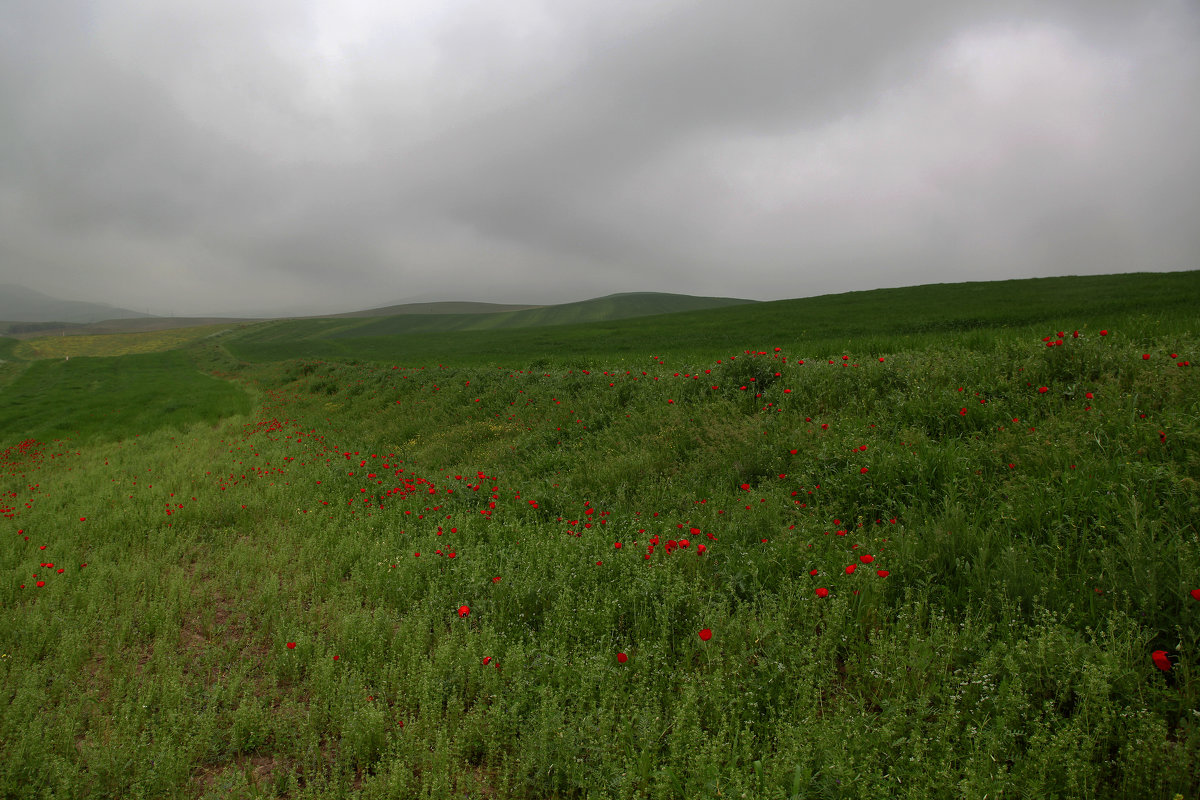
(89, 399)
(929, 542)
(884, 319)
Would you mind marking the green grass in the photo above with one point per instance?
(87, 398)
(601, 309)
(1038, 548)
(10, 364)
(867, 322)
(389, 328)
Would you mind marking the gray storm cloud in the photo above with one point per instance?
(241, 157)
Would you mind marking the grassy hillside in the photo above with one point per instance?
(401, 319)
(867, 321)
(10, 364)
(97, 398)
(922, 543)
(614, 307)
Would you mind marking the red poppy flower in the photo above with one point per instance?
(866, 558)
(336, 658)
(464, 610)
(1145, 356)
(487, 660)
(496, 579)
(291, 645)
(822, 592)
(40, 584)
(705, 634)
(850, 569)
(1161, 661)
(622, 658)
(1043, 389)
(883, 573)
(1195, 594)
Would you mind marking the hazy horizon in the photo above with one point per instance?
(264, 158)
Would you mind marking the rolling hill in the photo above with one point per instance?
(442, 307)
(598, 310)
(921, 314)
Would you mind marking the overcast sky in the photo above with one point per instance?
(203, 156)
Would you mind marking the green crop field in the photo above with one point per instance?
(935, 542)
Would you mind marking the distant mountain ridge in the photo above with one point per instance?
(29, 314)
(440, 307)
(21, 304)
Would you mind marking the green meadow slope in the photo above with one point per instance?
(11, 365)
(99, 398)
(867, 320)
(936, 542)
(602, 309)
